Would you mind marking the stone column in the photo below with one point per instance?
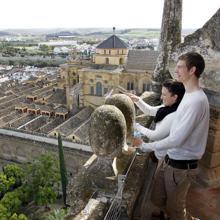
(170, 36)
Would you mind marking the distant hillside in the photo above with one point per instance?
(3, 33)
(62, 34)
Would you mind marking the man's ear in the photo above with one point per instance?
(193, 70)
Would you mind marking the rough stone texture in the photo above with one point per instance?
(209, 176)
(205, 41)
(211, 160)
(213, 143)
(107, 134)
(170, 36)
(134, 185)
(94, 210)
(126, 106)
(210, 163)
(107, 131)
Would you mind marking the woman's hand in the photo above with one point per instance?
(133, 97)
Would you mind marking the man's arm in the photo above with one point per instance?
(180, 130)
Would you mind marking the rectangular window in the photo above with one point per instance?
(144, 87)
(92, 90)
(105, 90)
(128, 86)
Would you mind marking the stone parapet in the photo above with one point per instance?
(211, 160)
(209, 176)
(210, 163)
(213, 143)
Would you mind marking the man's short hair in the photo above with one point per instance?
(194, 59)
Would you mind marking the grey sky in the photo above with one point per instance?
(99, 13)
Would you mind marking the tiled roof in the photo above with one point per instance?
(141, 60)
(112, 42)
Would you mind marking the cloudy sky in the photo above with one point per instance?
(99, 13)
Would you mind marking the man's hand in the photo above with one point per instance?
(136, 142)
(133, 97)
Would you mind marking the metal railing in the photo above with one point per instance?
(115, 209)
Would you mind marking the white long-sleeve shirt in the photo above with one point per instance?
(162, 128)
(189, 130)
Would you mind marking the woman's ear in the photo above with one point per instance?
(175, 98)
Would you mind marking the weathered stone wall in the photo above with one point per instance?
(205, 41)
(21, 150)
(210, 163)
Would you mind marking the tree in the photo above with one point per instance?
(13, 171)
(18, 217)
(11, 202)
(5, 183)
(43, 174)
(4, 214)
(63, 173)
(46, 195)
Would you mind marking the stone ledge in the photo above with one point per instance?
(211, 160)
(209, 177)
(213, 143)
(214, 124)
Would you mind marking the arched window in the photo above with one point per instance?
(146, 87)
(99, 89)
(92, 90)
(130, 86)
(107, 60)
(121, 61)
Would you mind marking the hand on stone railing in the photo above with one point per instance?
(133, 97)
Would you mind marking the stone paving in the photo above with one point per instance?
(204, 202)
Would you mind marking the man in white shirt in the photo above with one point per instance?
(186, 142)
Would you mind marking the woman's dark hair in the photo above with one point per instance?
(175, 88)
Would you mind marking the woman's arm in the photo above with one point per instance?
(161, 131)
(143, 106)
(147, 109)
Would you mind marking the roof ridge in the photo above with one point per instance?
(113, 42)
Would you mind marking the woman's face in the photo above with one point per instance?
(167, 97)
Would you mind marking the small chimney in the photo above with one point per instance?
(113, 37)
(114, 30)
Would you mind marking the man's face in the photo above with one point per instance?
(181, 71)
